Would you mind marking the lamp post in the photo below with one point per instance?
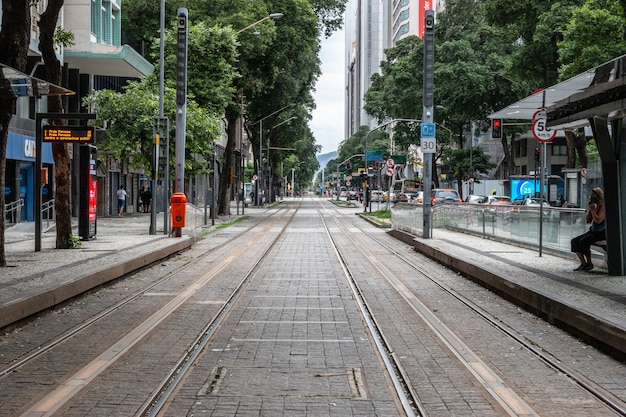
(260, 122)
(273, 16)
(269, 166)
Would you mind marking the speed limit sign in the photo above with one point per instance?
(429, 145)
(541, 132)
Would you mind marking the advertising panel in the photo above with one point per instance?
(88, 189)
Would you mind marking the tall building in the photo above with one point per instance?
(371, 27)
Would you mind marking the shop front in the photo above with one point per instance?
(20, 173)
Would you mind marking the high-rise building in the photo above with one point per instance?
(371, 27)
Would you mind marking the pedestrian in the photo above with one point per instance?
(581, 245)
(146, 199)
(121, 200)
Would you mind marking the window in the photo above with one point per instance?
(404, 15)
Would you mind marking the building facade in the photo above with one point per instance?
(96, 61)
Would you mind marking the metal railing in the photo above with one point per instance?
(13, 211)
(518, 225)
(47, 212)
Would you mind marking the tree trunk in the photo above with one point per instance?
(14, 41)
(47, 26)
(581, 147)
(227, 165)
(508, 157)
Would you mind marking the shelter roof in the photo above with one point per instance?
(23, 85)
(569, 104)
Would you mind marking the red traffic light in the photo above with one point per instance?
(496, 128)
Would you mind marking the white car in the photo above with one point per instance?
(376, 196)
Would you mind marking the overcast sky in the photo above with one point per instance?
(328, 118)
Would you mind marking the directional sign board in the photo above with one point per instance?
(68, 134)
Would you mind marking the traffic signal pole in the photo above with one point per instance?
(428, 116)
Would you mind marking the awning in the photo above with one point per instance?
(569, 104)
(23, 85)
(101, 59)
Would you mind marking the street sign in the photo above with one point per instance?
(541, 132)
(389, 171)
(390, 163)
(429, 145)
(428, 130)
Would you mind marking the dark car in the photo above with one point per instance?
(352, 195)
(445, 195)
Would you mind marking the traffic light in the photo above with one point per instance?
(537, 154)
(496, 128)
(348, 165)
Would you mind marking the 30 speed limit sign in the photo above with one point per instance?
(429, 145)
(541, 132)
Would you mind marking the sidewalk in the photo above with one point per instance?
(34, 281)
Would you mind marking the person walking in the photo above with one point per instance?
(121, 200)
(581, 245)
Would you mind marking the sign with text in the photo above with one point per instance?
(81, 134)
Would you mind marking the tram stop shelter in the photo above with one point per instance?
(15, 84)
(595, 98)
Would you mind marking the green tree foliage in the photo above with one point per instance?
(537, 26)
(595, 34)
(129, 116)
(459, 162)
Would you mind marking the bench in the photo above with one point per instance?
(600, 246)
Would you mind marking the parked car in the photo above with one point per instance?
(418, 199)
(476, 199)
(499, 203)
(376, 196)
(535, 202)
(391, 195)
(402, 198)
(445, 195)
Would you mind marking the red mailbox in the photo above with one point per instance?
(179, 204)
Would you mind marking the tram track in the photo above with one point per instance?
(40, 350)
(65, 391)
(478, 368)
(408, 397)
(170, 390)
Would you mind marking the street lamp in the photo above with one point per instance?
(269, 167)
(260, 122)
(274, 16)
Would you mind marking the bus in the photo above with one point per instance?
(406, 186)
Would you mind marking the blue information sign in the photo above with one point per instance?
(428, 130)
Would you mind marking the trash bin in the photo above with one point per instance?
(179, 208)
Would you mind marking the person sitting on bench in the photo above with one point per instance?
(581, 245)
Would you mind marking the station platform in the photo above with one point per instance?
(590, 304)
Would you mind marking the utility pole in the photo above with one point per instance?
(428, 127)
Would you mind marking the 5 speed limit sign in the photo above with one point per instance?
(429, 145)
(541, 132)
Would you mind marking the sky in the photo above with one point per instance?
(328, 118)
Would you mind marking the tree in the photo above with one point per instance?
(461, 162)
(47, 27)
(14, 41)
(595, 34)
(129, 117)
